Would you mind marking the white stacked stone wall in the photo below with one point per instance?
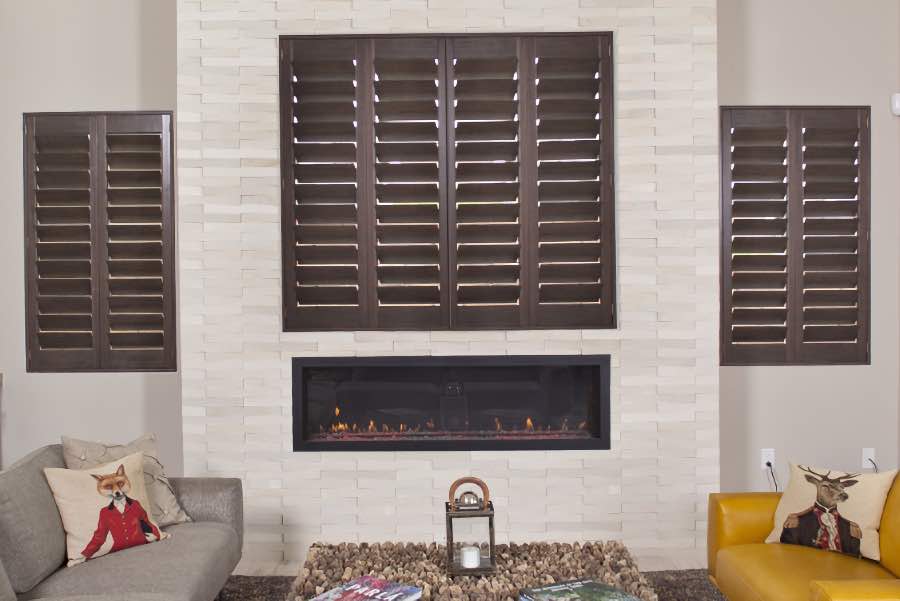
(650, 489)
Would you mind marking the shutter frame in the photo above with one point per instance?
(795, 351)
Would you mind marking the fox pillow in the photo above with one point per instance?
(832, 510)
(103, 509)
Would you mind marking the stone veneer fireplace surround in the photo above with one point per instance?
(649, 489)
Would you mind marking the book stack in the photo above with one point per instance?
(369, 588)
(576, 590)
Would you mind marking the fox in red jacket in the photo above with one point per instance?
(124, 518)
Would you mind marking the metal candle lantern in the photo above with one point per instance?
(467, 506)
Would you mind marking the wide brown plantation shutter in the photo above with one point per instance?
(100, 237)
(326, 111)
(411, 256)
(447, 182)
(486, 208)
(61, 243)
(794, 235)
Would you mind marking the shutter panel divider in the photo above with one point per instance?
(528, 183)
(100, 237)
(365, 192)
(794, 236)
(448, 177)
(445, 152)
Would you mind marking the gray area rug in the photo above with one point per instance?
(677, 585)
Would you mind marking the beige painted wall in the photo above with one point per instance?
(819, 52)
(70, 56)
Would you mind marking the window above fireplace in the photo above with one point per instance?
(451, 403)
(447, 182)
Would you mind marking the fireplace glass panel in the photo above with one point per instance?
(422, 402)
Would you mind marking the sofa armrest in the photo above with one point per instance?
(212, 500)
(738, 519)
(855, 590)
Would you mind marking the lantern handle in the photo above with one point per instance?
(470, 480)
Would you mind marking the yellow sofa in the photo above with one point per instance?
(745, 568)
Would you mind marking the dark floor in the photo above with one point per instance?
(680, 585)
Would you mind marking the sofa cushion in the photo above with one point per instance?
(192, 564)
(32, 539)
(763, 572)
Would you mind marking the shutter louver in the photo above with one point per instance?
(574, 216)
(100, 275)
(795, 246)
(138, 287)
(409, 249)
(486, 209)
(62, 301)
(834, 256)
(322, 225)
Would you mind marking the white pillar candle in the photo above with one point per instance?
(470, 557)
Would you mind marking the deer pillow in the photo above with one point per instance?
(832, 510)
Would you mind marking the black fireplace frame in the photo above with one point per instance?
(601, 426)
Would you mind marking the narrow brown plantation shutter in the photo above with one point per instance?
(100, 237)
(574, 182)
(63, 325)
(137, 289)
(486, 204)
(795, 235)
(410, 252)
(326, 281)
(834, 154)
(755, 159)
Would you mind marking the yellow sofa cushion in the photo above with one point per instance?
(775, 572)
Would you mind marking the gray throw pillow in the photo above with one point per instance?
(165, 509)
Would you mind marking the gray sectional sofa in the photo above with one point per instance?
(191, 565)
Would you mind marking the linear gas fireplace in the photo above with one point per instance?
(451, 403)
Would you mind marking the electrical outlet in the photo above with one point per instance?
(766, 456)
(868, 454)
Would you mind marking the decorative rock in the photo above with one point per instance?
(424, 565)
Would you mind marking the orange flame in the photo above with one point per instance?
(529, 425)
(372, 427)
(337, 411)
